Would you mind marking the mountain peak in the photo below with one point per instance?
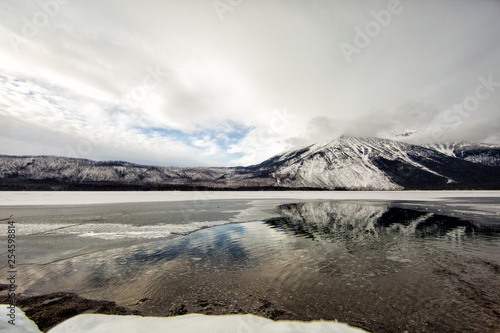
(366, 163)
(406, 134)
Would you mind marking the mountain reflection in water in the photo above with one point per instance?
(365, 221)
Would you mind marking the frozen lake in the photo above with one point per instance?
(17, 198)
(382, 261)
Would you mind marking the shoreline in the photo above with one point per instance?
(49, 310)
(60, 198)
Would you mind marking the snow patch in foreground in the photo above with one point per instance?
(22, 323)
(98, 323)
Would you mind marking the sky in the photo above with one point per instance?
(234, 82)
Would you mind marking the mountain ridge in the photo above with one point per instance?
(483, 153)
(345, 163)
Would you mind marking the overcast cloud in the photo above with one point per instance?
(203, 82)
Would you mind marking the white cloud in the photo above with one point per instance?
(199, 78)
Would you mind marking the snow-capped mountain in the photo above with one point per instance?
(341, 163)
(345, 163)
(375, 164)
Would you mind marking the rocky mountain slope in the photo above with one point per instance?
(376, 164)
(487, 154)
(60, 173)
(346, 163)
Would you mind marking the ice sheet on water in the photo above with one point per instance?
(110, 231)
(25, 229)
(21, 198)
